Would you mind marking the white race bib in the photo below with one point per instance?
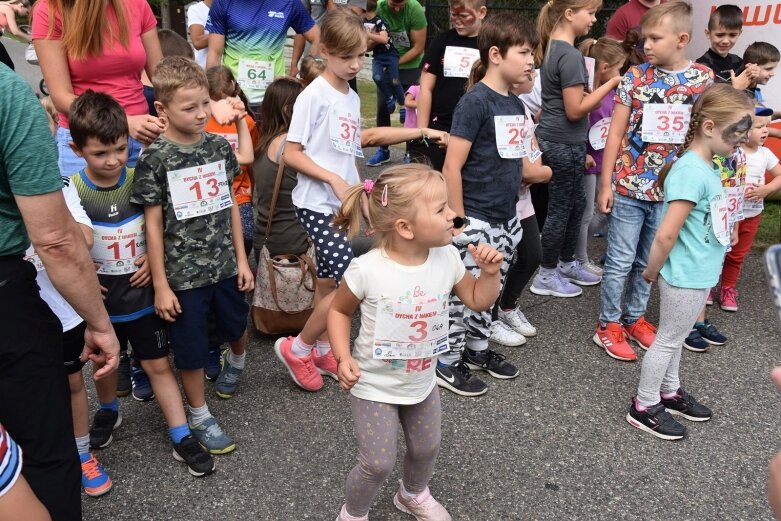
(116, 250)
(345, 132)
(511, 132)
(753, 206)
(31, 256)
(720, 219)
(665, 122)
(409, 331)
(591, 64)
(735, 204)
(255, 74)
(533, 148)
(458, 61)
(597, 135)
(199, 190)
(400, 39)
(233, 140)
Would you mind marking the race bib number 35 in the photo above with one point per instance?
(665, 122)
(408, 331)
(255, 74)
(199, 190)
(458, 61)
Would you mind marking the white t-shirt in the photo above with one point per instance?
(756, 166)
(320, 115)
(197, 15)
(49, 294)
(533, 100)
(385, 289)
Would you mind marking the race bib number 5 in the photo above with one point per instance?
(255, 74)
(665, 122)
(199, 190)
(408, 331)
(458, 61)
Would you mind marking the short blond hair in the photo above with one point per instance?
(677, 13)
(342, 32)
(466, 4)
(174, 73)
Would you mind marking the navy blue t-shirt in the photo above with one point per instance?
(490, 183)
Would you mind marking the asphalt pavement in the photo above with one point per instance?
(551, 444)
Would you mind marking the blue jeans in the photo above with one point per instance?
(389, 85)
(631, 231)
(70, 163)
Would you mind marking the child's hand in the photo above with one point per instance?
(143, 277)
(649, 276)
(339, 186)
(590, 163)
(223, 111)
(167, 305)
(605, 201)
(487, 259)
(755, 193)
(245, 279)
(239, 107)
(745, 78)
(348, 373)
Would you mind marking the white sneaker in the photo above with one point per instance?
(517, 322)
(593, 267)
(502, 334)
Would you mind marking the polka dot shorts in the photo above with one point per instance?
(332, 248)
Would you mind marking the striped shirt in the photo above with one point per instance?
(10, 461)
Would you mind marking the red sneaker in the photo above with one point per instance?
(642, 332)
(612, 338)
(728, 299)
(326, 364)
(302, 370)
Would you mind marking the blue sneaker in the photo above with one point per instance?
(380, 156)
(710, 334)
(212, 438)
(214, 364)
(391, 104)
(695, 343)
(142, 388)
(94, 478)
(228, 380)
(402, 115)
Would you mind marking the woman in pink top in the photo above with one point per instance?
(8, 14)
(101, 45)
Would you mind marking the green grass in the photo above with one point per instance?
(768, 233)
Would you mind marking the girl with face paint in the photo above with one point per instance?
(687, 255)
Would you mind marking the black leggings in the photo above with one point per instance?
(528, 254)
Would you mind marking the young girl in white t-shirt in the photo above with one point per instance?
(323, 142)
(402, 287)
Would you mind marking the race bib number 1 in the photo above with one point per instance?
(511, 131)
(597, 135)
(458, 61)
(199, 190)
(665, 122)
(409, 331)
(255, 74)
(720, 219)
(345, 133)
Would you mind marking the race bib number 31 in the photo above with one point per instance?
(458, 61)
(255, 74)
(199, 190)
(665, 122)
(408, 331)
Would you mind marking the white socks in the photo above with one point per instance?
(322, 347)
(235, 360)
(300, 349)
(199, 414)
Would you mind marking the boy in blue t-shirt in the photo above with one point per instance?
(99, 131)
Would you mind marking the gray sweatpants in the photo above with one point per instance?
(376, 428)
(678, 312)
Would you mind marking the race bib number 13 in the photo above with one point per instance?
(199, 190)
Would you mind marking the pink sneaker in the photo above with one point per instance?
(302, 370)
(344, 516)
(709, 300)
(326, 365)
(728, 299)
(423, 506)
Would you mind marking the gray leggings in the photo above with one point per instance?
(376, 428)
(590, 187)
(678, 312)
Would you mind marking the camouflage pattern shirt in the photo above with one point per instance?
(192, 184)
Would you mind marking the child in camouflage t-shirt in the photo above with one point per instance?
(194, 239)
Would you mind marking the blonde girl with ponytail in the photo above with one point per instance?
(687, 255)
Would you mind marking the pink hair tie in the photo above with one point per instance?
(368, 186)
(384, 200)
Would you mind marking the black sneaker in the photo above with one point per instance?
(695, 343)
(657, 421)
(123, 375)
(458, 379)
(684, 404)
(103, 424)
(489, 360)
(189, 451)
(710, 334)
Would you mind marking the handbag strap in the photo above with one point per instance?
(277, 185)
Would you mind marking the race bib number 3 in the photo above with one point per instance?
(665, 122)
(597, 135)
(458, 61)
(735, 204)
(255, 74)
(116, 250)
(345, 132)
(199, 190)
(720, 219)
(408, 331)
(511, 136)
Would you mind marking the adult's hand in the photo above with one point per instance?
(102, 347)
(145, 128)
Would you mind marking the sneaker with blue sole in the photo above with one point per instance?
(213, 364)
(142, 387)
(381, 156)
(211, 437)
(228, 381)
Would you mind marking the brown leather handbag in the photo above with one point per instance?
(285, 285)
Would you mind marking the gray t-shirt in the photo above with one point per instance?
(490, 183)
(562, 67)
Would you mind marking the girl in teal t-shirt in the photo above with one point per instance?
(688, 252)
